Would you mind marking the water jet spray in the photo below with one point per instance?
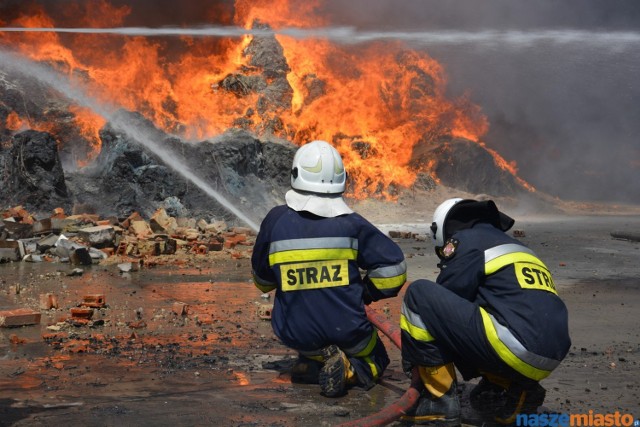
(138, 134)
(351, 35)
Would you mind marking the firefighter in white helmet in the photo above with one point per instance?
(493, 312)
(311, 251)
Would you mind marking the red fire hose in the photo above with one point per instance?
(394, 411)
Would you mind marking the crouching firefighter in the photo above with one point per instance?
(312, 251)
(494, 313)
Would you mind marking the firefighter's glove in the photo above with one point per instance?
(366, 296)
(370, 293)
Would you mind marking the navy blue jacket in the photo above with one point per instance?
(314, 264)
(510, 283)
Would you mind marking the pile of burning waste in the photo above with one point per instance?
(226, 117)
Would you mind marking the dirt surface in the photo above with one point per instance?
(141, 361)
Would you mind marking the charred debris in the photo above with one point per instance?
(39, 172)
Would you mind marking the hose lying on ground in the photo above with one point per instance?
(394, 411)
(626, 235)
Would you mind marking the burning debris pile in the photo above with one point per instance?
(127, 177)
(468, 166)
(383, 106)
(251, 174)
(31, 171)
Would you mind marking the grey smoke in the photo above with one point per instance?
(558, 81)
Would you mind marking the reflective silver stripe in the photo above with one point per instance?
(389, 271)
(516, 347)
(509, 248)
(349, 351)
(413, 318)
(317, 243)
(355, 349)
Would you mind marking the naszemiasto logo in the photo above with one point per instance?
(590, 419)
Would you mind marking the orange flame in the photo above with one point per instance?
(14, 122)
(241, 378)
(89, 124)
(510, 167)
(373, 101)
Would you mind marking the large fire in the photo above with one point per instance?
(374, 101)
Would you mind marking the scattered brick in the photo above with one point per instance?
(82, 313)
(42, 227)
(94, 301)
(58, 213)
(160, 222)
(108, 251)
(232, 240)
(19, 214)
(243, 230)
(78, 348)
(98, 236)
(57, 336)
(48, 301)
(215, 245)
(9, 253)
(139, 324)
(19, 317)
(17, 230)
(140, 229)
(264, 311)
(135, 216)
(14, 339)
(148, 248)
(180, 308)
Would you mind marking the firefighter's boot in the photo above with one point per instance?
(305, 371)
(337, 373)
(489, 394)
(520, 399)
(438, 404)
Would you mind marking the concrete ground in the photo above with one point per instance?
(139, 363)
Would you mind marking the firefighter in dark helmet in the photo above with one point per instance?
(494, 313)
(312, 251)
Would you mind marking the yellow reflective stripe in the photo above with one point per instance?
(369, 347)
(372, 366)
(508, 259)
(507, 355)
(302, 255)
(388, 282)
(415, 332)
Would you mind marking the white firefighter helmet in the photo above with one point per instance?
(439, 218)
(318, 168)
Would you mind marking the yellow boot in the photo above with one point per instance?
(504, 399)
(438, 403)
(337, 373)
